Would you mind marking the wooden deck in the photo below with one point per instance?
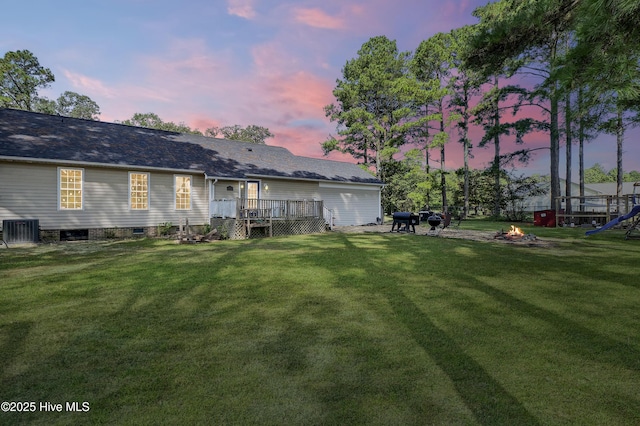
(239, 217)
(257, 218)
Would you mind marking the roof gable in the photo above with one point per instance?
(31, 135)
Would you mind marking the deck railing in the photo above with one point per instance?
(282, 209)
(328, 216)
(225, 208)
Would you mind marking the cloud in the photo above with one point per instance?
(301, 94)
(464, 6)
(318, 19)
(271, 58)
(280, 81)
(241, 8)
(124, 99)
(88, 84)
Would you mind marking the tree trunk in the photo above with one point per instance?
(465, 150)
(426, 144)
(366, 153)
(427, 167)
(619, 140)
(569, 141)
(465, 209)
(496, 157)
(554, 143)
(581, 150)
(555, 151)
(443, 179)
(379, 174)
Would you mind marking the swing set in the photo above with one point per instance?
(635, 211)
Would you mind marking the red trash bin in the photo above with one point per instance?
(545, 218)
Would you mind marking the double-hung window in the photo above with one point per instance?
(183, 192)
(70, 188)
(139, 191)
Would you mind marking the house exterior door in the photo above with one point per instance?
(253, 193)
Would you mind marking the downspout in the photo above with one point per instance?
(211, 191)
(380, 207)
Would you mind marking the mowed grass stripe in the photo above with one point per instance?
(324, 329)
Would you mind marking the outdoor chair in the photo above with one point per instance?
(446, 220)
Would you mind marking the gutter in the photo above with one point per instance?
(345, 182)
(97, 165)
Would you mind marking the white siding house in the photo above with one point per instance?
(73, 174)
(343, 201)
(34, 193)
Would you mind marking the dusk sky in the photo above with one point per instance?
(271, 63)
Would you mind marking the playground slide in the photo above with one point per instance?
(634, 211)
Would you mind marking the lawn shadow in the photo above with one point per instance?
(483, 395)
(11, 346)
(572, 336)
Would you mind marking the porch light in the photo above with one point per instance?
(266, 187)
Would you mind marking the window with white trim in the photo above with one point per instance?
(183, 192)
(70, 188)
(138, 191)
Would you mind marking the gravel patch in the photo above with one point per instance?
(463, 234)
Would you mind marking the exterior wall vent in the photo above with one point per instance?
(21, 231)
(74, 234)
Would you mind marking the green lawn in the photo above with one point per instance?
(327, 329)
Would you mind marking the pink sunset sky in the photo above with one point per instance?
(224, 62)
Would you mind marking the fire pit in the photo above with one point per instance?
(514, 234)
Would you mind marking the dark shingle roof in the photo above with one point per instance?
(49, 137)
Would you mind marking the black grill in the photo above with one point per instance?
(405, 222)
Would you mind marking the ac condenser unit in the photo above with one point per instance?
(21, 231)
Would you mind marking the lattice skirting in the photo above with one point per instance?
(234, 229)
(298, 227)
(229, 228)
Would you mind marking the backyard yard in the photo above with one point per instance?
(336, 328)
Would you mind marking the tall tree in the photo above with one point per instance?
(616, 85)
(465, 85)
(21, 76)
(251, 133)
(597, 174)
(489, 114)
(587, 115)
(516, 34)
(372, 108)
(568, 132)
(434, 60)
(605, 28)
(569, 89)
(607, 36)
(153, 121)
(69, 104)
(407, 184)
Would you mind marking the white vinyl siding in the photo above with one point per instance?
(225, 190)
(105, 198)
(280, 189)
(352, 204)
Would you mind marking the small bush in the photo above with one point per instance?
(165, 228)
